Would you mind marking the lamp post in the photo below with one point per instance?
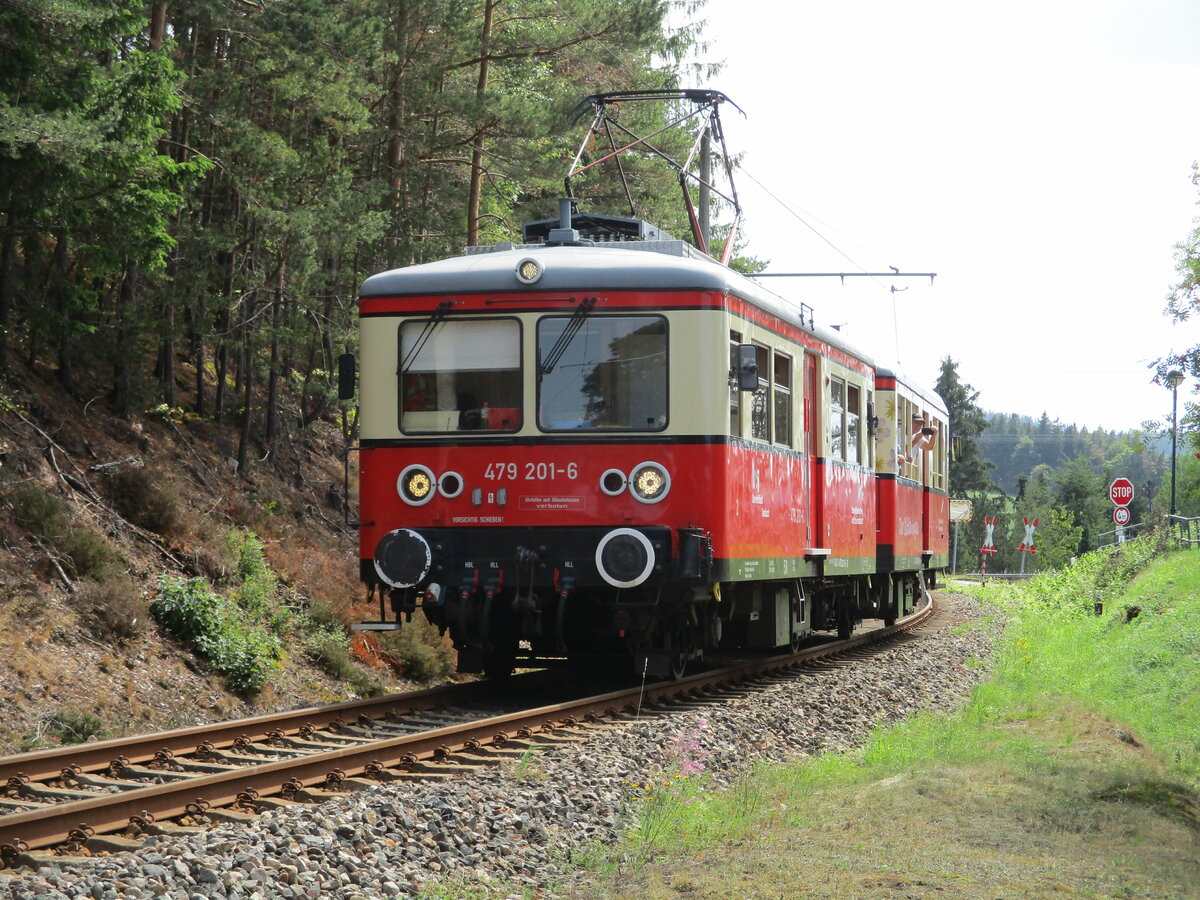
(1174, 377)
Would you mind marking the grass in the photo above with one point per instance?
(1072, 772)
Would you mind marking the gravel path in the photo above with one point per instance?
(515, 826)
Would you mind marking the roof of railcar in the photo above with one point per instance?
(930, 398)
(662, 265)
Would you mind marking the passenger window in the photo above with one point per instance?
(760, 412)
(783, 400)
(837, 424)
(853, 424)
(735, 394)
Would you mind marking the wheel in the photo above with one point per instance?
(796, 641)
(499, 664)
(845, 622)
(678, 664)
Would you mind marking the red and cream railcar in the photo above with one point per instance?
(577, 450)
(912, 478)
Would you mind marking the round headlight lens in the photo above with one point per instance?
(416, 485)
(649, 482)
(612, 482)
(450, 485)
(529, 270)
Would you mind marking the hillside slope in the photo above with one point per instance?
(94, 510)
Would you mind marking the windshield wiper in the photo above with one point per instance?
(546, 366)
(440, 313)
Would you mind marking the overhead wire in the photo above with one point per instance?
(803, 221)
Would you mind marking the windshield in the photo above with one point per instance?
(612, 374)
(460, 375)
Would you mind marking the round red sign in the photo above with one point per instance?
(1121, 515)
(1121, 491)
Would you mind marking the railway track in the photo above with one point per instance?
(109, 795)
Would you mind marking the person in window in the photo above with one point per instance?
(924, 434)
(469, 414)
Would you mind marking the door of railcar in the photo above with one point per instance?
(813, 484)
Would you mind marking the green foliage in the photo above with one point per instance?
(71, 726)
(257, 591)
(1096, 577)
(82, 552)
(427, 655)
(244, 653)
(329, 649)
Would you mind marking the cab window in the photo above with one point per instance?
(602, 373)
(460, 376)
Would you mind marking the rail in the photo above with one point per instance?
(353, 761)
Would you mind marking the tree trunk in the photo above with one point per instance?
(477, 146)
(158, 25)
(8, 262)
(61, 293)
(123, 355)
(223, 323)
(246, 371)
(273, 368)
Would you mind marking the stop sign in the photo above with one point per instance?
(1121, 491)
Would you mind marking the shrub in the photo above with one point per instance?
(44, 515)
(70, 726)
(39, 511)
(329, 650)
(147, 502)
(114, 610)
(1095, 577)
(259, 583)
(244, 653)
(427, 655)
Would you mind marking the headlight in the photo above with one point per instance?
(450, 485)
(415, 485)
(649, 482)
(529, 270)
(612, 482)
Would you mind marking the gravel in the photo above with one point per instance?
(515, 827)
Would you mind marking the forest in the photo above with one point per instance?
(1019, 468)
(192, 191)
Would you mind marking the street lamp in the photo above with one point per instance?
(1174, 378)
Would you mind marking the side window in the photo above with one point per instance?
(760, 400)
(837, 423)
(853, 424)
(735, 395)
(783, 399)
(870, 417)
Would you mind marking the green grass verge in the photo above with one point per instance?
(1072, 772)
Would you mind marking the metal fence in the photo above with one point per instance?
(1185, 530)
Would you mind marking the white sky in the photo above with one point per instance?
(1036, 155)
